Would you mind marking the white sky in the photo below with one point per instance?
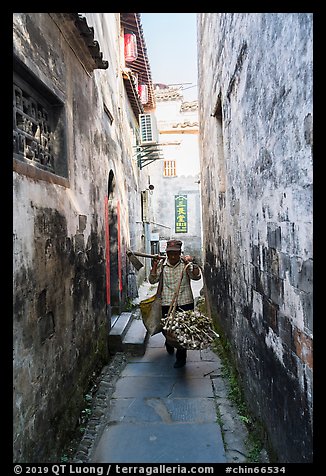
(171, 42)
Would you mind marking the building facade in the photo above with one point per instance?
(77, 208)
(175, 205)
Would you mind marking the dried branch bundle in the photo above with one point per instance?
(192, 329)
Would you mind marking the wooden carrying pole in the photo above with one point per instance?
(132, 255)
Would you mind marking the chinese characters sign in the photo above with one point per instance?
(181, 222)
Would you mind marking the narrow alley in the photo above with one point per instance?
(213, 174)
(158, 414)
(162, 414)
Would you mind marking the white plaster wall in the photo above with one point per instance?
(186, 155)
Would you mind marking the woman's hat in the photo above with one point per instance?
(173, 245)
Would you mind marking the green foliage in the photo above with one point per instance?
(84, 415)
(201, 306)
(254, 443)
(222, 347)
(129, 306)
(254, 447)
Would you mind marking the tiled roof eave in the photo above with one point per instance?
(81, 35)
(132, 22)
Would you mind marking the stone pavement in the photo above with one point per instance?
(153, 413)
(146, 411)
(159, 414)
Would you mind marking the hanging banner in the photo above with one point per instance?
(181, 219)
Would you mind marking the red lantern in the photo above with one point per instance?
(131, 53)
(143, 93)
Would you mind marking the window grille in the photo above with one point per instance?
(38, 132)
(169, 168)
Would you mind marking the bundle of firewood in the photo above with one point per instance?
(191, 329)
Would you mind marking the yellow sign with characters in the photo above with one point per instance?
(181, 214)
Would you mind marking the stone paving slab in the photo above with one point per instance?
(157, 353)
(143, 387)
(164, 368)
(194, 387)
(191, 410)
(162, 387)
(160, 443)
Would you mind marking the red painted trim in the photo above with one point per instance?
(107, 250)
(119, 248)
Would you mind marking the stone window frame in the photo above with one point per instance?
(35, 91)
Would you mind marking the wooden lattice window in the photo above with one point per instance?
(169, 168)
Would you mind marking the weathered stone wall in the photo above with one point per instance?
(255, 115)
(60, 310)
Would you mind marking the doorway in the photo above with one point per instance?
(113, 252)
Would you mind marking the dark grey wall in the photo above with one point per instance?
(255, 112)
(61, 317)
